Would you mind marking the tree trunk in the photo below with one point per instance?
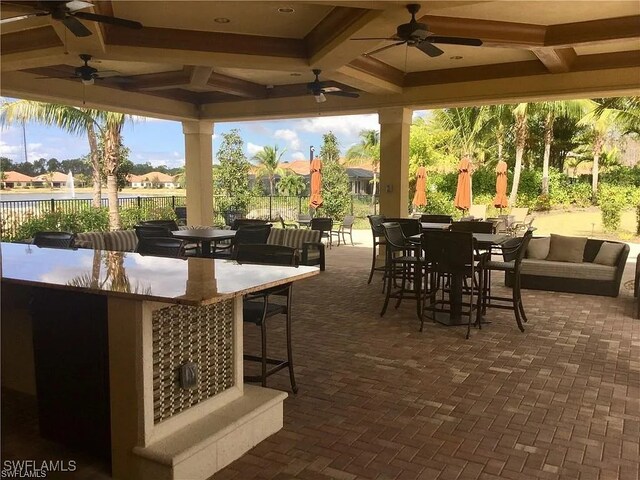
(112, 195)
(521, 138)
(548, 138)
(373, 189)
(595, 170)
(95, 165)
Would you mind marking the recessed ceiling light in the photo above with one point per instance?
(295, 74)
(221, 20)
(455, 57)
(286, 10)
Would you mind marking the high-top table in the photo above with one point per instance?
(205, 237)
(137, 358)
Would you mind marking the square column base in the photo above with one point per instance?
(206, 446)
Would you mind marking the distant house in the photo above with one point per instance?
(153, 180)
(360, 176)
(51, 179)
(12, 179)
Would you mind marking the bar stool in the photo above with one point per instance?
(378, 239)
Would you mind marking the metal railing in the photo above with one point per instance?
(15, 212)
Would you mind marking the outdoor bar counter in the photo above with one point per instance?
(137, 358)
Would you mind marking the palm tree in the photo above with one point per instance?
(500, 116)
(601, 122)
(291, 184)
(71, 119)
(268, 164)
(367, 149)
(520, 113)
(469, 126)
(113, 123)
(625, 110)
(550, 111)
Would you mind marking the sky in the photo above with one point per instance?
(161, 142)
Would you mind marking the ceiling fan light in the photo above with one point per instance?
(320, 98)
(87, 81)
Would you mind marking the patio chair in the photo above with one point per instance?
(500, 224)
(450, 259)
(181, 215)
(377, 231)
(304, 220)
(53, 239)
(410, 226)
(513, 252)
(161, 247)
(256, 234)
(260, 306)
(285, 224)
(324, 225)
(241, 222)
(345, 228)
(403, 263)
(170, 224)
(521, 220)
(473, 227)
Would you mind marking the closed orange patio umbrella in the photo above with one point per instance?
(315, 201)
(420, 198)
(463, 190)
(500, 200)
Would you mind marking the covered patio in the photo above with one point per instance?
(379, 400)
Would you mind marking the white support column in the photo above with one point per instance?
(199, 175)
(394, 161)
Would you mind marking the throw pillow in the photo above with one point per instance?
(538, 248)
(566, 249)
(608, 253)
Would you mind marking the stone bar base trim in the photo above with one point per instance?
(204, 447)
(202, 335)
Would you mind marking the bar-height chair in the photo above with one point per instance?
(451, 257)
(403, 263)
(170, 224)
(377, 231)
(53, 239)
(473, 227)
(242, 222)
(285, 224)
(410, 226)
(181, 215)
(260, 306)
(429, 218)
(161, 247)
(324, 225)
(513, 251)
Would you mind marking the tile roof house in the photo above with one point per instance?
(12, 179)
(153, 180)
(51, 179)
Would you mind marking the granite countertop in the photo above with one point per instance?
(194, 281)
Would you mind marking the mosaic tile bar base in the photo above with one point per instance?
(202, 335)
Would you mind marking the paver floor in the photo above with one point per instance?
(380, 400)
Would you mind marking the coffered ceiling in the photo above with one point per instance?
(241, 59)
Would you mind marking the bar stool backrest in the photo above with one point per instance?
(252, 234)
(241, 222)
(54, 239)
(410, 226)
(376, 222)
(448, 252)
(324, 224)
(473, 227)
(170, 224)
(267, 255)
(152, 231)
(161, 247)
(429, 218)
(393, 234)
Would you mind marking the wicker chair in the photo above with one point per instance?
(53, 239)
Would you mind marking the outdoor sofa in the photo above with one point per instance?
(574, 265)
(307, 242)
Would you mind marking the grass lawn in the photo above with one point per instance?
(586, 222)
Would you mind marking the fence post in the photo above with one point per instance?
(299, 205)
(351, 204)
(173, 201)
(139, 200)
(53, 205)
(270, 206)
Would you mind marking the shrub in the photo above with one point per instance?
(612, 201)
(132, 216)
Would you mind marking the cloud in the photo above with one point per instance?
(346, 125)
(141, 119)
(16, 152)
(169, 159)
(289, 136)
(253, 149)
(297, 156)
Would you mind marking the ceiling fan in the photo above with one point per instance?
(88, 74)
(417, 35)
(68, 13)
(318, 89)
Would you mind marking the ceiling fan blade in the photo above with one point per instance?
(472, 42)
(384, 48)
(121, 22)
(376, 38)
(76, 27)
(74, 5)
(320, 98)
(429, 48)
(342, 93)
(19, 17)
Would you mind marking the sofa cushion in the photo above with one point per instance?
(93, 240)
(608, 253)
(566, 249)
(586, 271)
(538, 248)
(121, 240)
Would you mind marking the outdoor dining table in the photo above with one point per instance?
(434, 226)
(205, 237)
(483, 241)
